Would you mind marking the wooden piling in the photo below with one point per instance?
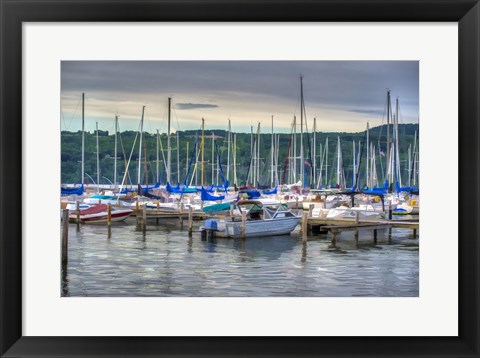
(414, 233)
(357, 217)
(356, 234)
(109, 214)
(190, 221)
(244, 224)
(65, 236)
(304, 227)
(310, 210)
(78, 216)
(180, 217)
(296, 202)
(136, 204)
(144, 219)
(231, 209)
(375, 236)
(390, 211)
(334, 239)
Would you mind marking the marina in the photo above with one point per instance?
(178, 211)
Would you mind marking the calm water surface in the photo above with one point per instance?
(165, 262)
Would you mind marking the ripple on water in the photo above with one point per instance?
(166, 263)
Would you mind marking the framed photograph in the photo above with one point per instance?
(239, 178)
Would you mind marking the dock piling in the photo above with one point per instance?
(144, 219)
(244, 224)
(78, 216)
(304, 227)
(374, 236)
(180, 217)
(190, 221)
(65, 236)
(231, 209)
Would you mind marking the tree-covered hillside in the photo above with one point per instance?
(71, 154)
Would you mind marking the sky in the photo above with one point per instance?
(342, 95)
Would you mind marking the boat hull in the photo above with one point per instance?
(259, 228)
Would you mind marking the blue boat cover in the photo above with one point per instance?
(72, 191)
(271, 191)
(252, 193)
(205, 196)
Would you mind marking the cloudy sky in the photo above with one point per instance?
(342, 95)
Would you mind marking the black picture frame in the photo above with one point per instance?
(13, 13)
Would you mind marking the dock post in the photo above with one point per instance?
(65, 236)
(78, 216)
(356, 234)
(390, 211)
(190, 221)
(357, 217)
(304, 227)
(136, 204)
(109, 219)
(180, 217)
(244, 224)
(414, 233)
(374, 236)
(334, 239)
(144, 219)
(296, 202)
(390, 233)
(158, 206)
(310, 210)
(201, 205)
(109, 214)
(231, 209)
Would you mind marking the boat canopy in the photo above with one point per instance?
(252, 193)
(205, 196)
(271, 191)
(72, 191)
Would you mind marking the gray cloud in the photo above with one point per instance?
(183, 106)
(367, 111)
(246, 91)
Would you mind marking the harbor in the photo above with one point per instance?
(208, 207)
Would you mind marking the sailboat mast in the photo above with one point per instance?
(354, 164)
(302, 164)
(178, 157)
(326, 163)
(169, 154)
(294, 157)
(409, 163)
(367, 164)
(397, 149)
(228, 149)
(83, 138)
(115, 155)
(414, 159)
(140, 147)
(258, 154)
(388, 134)
(338, 162)
(314, 164)
(186, 160)
(235, 159)
(213, 158)
(98, 163)
(271, 158)
(157, 161)
(203, 151)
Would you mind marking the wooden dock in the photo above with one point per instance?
(336, 226)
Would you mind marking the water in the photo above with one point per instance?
(166, 263)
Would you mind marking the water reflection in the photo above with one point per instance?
(166, 262)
